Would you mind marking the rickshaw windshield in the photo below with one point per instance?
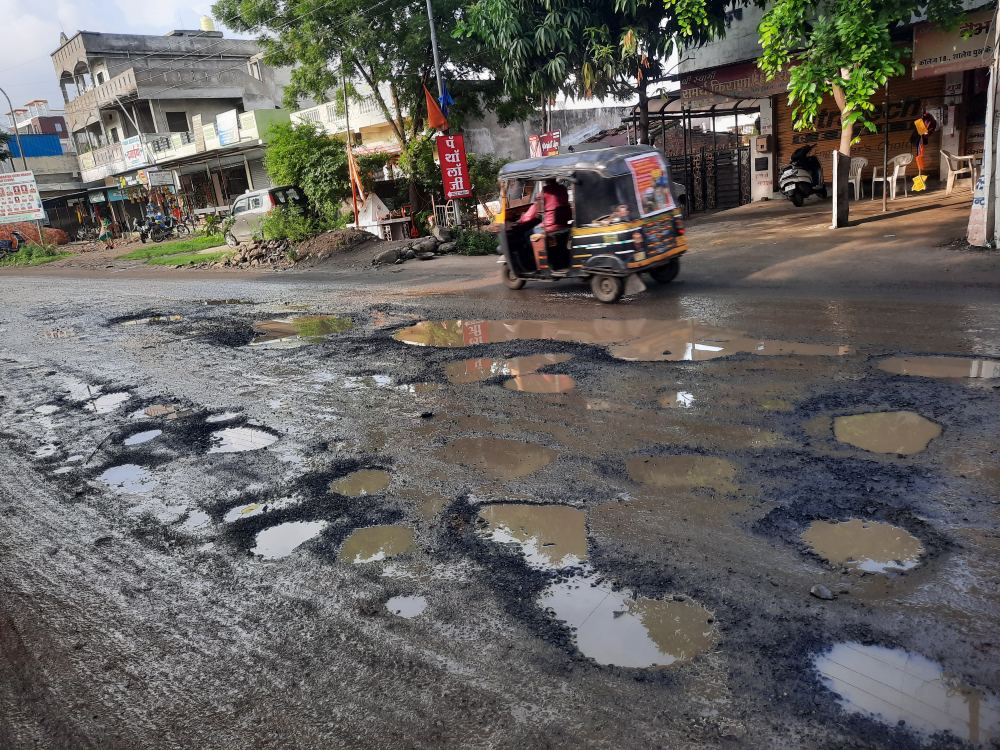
(518, 191)
(602, 200)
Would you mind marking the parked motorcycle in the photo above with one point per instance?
(802, 177)
(158, 230)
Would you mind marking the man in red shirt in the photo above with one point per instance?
(557, 209)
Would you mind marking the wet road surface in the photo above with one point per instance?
(349, 515)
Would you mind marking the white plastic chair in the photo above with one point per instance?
(898, 166)
(958, 166)
(858, 163)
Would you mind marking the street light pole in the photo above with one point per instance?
(434, 48)
(350, 153)
(24, 161)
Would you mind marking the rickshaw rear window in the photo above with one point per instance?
(599, 197)
(518, 190)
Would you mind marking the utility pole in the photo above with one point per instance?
(885, 148)
(437, 73)
(350, 154)
(24, 161)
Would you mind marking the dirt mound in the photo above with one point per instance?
(333, 242)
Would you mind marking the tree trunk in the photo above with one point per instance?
(642, 126)
(846, 131)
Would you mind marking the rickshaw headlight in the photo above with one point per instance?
(637, 239)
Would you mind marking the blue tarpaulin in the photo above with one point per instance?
(35, 145)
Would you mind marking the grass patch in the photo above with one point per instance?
(33, 255)
(182, 260)
(174, 248)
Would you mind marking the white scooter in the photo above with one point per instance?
(802, 177)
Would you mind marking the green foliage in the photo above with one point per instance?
(303, 154)
(484, 172)
(33, 255)
(183, 260)
(212, 224)
(289, 224)
(4, 146)
(175, 248)
(840, 47)
(417, 161)
(370, 168)
(475, 242)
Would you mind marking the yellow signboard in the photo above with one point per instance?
(936, 52)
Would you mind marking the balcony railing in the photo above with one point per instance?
(101, 95)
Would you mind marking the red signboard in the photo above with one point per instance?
(474, 332)
(454, 168)
(546, 144)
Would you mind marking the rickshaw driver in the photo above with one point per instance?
(557, 208)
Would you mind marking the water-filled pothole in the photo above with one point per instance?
(868, 545)
(941, 367)
(500, 458)
(903, 432)
(143, 437)
(223, 417)
(477, 370)
(537, 382)
(551, 536)
(107, 403)
(129, 477)
(296, 331)
(239, 439)
(281, 540)
(363, 482)
(900, 688)
(406, 606)
(683, 472)
(376, 543)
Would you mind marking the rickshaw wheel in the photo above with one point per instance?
(607, 288)
(509, 279)
(666, 274)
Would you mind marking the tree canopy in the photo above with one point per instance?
(302, 154)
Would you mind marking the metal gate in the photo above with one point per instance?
(714, 179)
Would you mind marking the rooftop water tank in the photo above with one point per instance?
(207, 24)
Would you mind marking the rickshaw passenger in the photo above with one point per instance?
(557, 209)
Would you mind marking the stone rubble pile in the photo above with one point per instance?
(273, 254)
(422, 248)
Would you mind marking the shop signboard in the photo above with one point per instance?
(87, 160)
(454, 168)
(546, 144)
(649, 175)
(936, 51)
(727, 85)
(199, 133)
(160, 179)
(228, 126)
(97, 197)
(116, 195)
(132, 151)
(19, 199)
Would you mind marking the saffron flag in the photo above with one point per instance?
(435, 118)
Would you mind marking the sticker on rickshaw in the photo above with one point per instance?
(652, 190)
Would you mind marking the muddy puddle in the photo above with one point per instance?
(300, 330)
(161, 410)
(406, 606)
(107, 403)
(867, 545)
(551, 536)
(376, 543)
(903, 432)
(153, 320)
(683, 472)
(538, 382)
(364, 482)
(617, 627)
(143, 437)
(240, 439)
(677, 400)
(497, 457)
(129, 478)
(477, 370)
(281, 540)
(641, 339)
(941, 367)
(217, 302)
(903, 689)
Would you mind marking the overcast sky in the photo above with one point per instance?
(31, 35)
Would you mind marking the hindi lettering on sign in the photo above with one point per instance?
(19, 199)
(454, 168)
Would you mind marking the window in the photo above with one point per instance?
(100, 78)
(58, 127)
(114, 135)
(598, 197)
(240, 206)
(255, 203)
(177, 122)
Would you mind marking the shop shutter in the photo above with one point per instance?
(259, 175)
(908, 100)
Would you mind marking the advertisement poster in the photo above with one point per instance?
(132, 151)
(19, 199)
(160, 179)
(546, 144)
(534, 146)
(936, 52)
(652, 191)
(454, 168)
(228, 125)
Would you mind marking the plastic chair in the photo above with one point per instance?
(958, 167)
(898, 166)
(858, 163)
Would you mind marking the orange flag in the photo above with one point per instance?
(435, 119)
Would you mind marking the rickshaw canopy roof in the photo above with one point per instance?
(610, 161)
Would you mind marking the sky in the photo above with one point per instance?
(32, 35)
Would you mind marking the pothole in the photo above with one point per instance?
(363, 482)
(281, 540)
(240, 439)
(107, 403)
(900, 688)
(406, 606)
(903, 432)
(477, 370)
(683, 472)
(129, 478)
(298, 331)
(941, 367)
(142, 437)
(537, 382)
(223, 417)
(551, 536)
(500, 458)
(376, 543)
(868, 545)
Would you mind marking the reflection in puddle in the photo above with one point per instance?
(640, 339)
(941, 367)
(551, 536)
(503, 459)
(224, 417)
(613, 628)
(364, 482)
(239, 439)
(868, 545)
(159, 410)
(406, 606)
(108, 403)
(477, 370)
(128, 477)
(196, 519)
(367, 381)
(683, 472)
(63, 470)
(142, 437)
(47, 409)
(896, 686)
(153, 320)
(680, 399)
(886, 432)
(537, 382)
(244, 511)
(376, 543)
(280, 540)
(293, 331)
(419, 387)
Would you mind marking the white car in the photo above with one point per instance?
(249, 210)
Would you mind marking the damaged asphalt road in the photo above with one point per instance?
(347, 517)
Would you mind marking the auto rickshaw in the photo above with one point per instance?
(619, 220)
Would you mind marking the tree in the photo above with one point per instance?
(303, 154)
(841, 48)
(4, 146)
